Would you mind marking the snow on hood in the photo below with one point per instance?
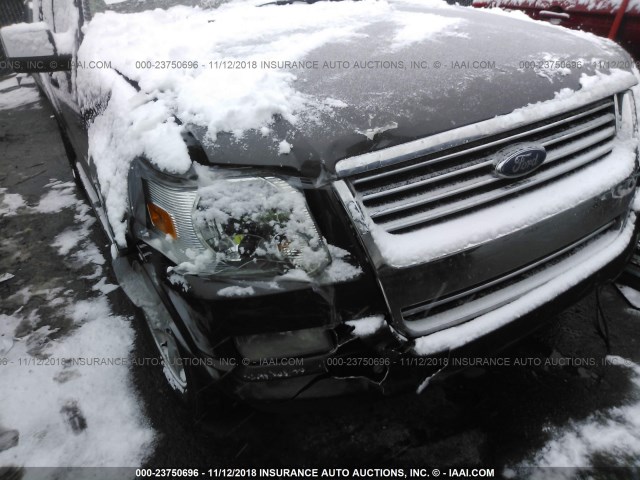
(235, 98)
(294, 117)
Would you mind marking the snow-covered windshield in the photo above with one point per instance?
(133, 6)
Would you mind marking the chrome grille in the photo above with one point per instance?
(429, 189)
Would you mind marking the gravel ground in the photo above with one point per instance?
(498, 417)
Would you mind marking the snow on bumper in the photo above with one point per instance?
(582, 265)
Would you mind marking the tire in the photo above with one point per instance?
(212, 412)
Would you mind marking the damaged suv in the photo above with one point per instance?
(314, 198)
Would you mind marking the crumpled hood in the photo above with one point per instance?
(375, 73)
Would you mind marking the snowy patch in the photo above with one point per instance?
(339, 270)
(105, 407)
(24, 294)
(10, 203)
(177, 279)
(73, 238)
(265, 131)
(236, 291)
(333, 102)
(103, 287)
(613, 433)
(6, 276)
(67, 240)
(370, 133)
(363, 327)
(297, 275)
(81, 407)
(61, 196)
(284, 147)
(416, 27)
(83, 310)
(631, 294)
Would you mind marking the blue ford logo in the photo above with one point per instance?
(518, 160)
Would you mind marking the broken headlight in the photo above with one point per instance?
(258, 224)
(242, 225)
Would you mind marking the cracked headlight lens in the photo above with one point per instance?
(257, 225)
(229, 222)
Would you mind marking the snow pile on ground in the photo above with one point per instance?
(77, 406)
(62, 195)
(10, 203)
(73, 415)
(221, 97)
(612, 435)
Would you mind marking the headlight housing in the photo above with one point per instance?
(235, 224)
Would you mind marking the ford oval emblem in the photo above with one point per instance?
(519, 160)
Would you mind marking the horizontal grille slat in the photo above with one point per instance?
(474, 201)
(546, 142)
(431, 197)
(496, 143)
(404, 197)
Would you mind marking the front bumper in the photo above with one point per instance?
(384, 361)
(378, 359)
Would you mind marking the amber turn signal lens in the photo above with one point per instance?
(162, 220)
